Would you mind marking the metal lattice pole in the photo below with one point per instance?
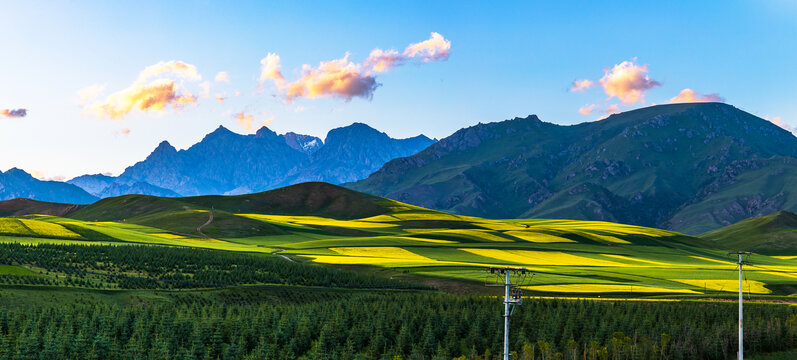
(511, 299)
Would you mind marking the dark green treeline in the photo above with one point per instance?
(161, 267)
(392, 326)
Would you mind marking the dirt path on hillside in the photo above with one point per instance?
(199, 228)
(282, 256)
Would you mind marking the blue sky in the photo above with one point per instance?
(504, 60)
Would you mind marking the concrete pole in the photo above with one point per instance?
(741, 317)
(506, 316)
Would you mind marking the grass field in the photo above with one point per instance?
(583, 258)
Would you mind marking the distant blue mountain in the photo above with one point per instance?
(16, 183)
(224, 162)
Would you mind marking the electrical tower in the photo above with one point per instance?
(741, 317)
(512, 297)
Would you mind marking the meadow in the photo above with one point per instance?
(121, 283)
(566, 257)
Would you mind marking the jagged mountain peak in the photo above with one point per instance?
(353, 131)
(18, 173)
(265, 132)
(164, 148)
(226, 162)
(304, 143)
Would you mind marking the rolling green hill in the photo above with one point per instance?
(774, 234)
(685, 167)
(335, 227)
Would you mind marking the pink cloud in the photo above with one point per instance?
(246, 121)
(381, 61)
(581, 85)
(222, 76)
(155, 96)
(779, 122)
(12, 113)
(612, 109)
(587, 109)
(691, 96)
(220, 98)
(338, 78)
(433, 49)
(145, 95)
(270, 70)
(41, 175)
(344, 79)
(178, 68)
(628, 82)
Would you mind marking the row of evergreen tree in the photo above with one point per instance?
(161, 267)
(399, 326)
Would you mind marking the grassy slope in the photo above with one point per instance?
(20, 206)
(568, 257)
(774, 234)
(770, 187)
(657, 166)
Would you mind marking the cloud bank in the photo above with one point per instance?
(341, 78)
(13, 113)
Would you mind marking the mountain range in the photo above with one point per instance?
(224, 162)
(685, 167)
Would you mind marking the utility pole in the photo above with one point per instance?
(741, 314)
(512, 298)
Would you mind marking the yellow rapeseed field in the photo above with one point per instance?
(542, 258)
(482, 234)
(751, 286)
(501, 225)
(380, 252)
(428, 216)
(538, 237)
(623, 257)
(49, 229)
(605, 288)
(713, 260)
(601, 238)
(436, 241)
(13, 226)
(606, 227)
(366, 260)
(169, 236)
(318, 221)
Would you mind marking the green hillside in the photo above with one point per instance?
(685, 167)
(774, 234)
(308, 223)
